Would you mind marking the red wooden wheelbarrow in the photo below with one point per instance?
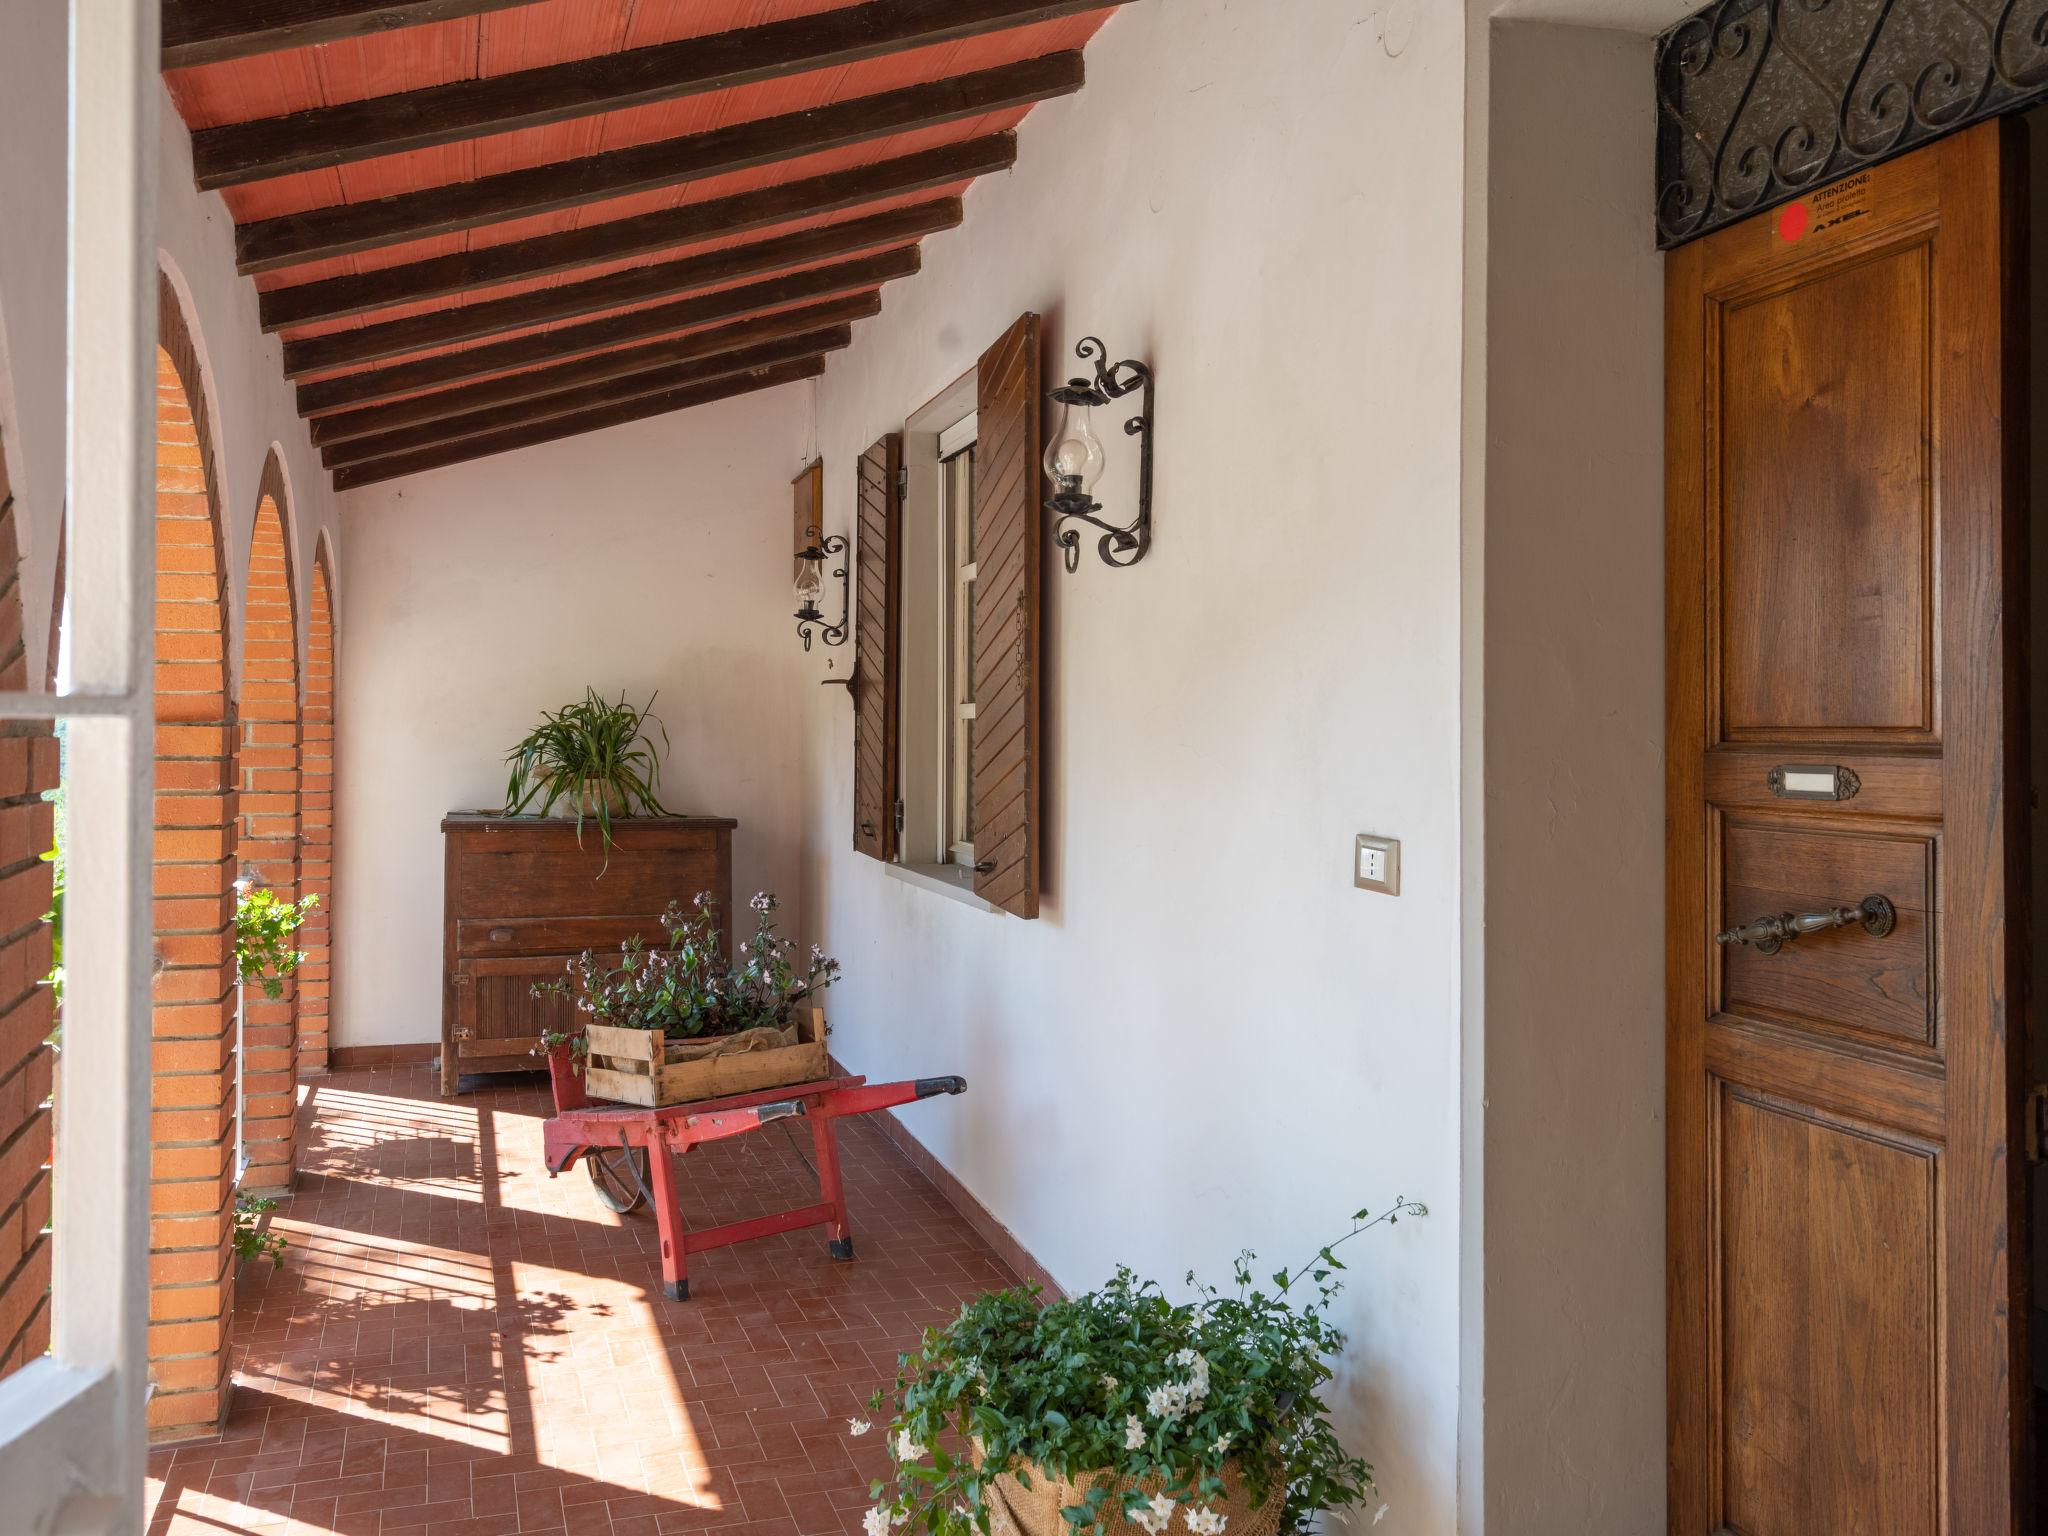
(616, 1143)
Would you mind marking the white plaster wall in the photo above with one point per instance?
(251, 406)
(653, 556)
(1571, 1324)
(1210, 1039)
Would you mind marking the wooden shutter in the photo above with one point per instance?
(878, 564)
(1008, 518)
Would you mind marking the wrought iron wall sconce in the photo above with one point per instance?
(808, 612)
(1075, 458)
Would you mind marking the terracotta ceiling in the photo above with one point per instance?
(479, 224)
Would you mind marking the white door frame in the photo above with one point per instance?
(72, 1435)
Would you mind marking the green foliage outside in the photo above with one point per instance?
(1121, 1380)
(264, 926)
(250, 1239)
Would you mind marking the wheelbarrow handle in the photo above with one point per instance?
(932, 1087)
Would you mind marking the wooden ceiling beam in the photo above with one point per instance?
(199, 32)
(319, 137)
(580, 397)
(319, 233)
(616, 239)
(614, 290)
(323, 395)
(463, 449)
(828, 320)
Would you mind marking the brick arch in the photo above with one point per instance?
(192, 1123)
(316, 818)
(28, 766)
(267, 848)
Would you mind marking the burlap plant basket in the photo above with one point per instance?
(1015, 1510)
(763, 1037)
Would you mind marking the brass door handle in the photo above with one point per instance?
(1772, 933)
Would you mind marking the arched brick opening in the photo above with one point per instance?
(192, 1121)
(267, 850)
(28, 766)
(316, 819)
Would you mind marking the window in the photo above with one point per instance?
(946, 772)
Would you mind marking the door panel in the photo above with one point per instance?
(1844, 548)
(1877, 986)
(1831, 1225)
(1824, 404)
(497, 1015)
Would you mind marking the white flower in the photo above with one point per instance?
(1222, 1445)
(1168, 1402)
(1381, 1515)
(858, 1426)
(1207, 1522)
(1145, 1520)
(876, 1521)
(1155, 1516)
(908, 1449)
(1134, 1432)
(1109, 1383)
(1162, 1506)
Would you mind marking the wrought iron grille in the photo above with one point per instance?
(1759, 101)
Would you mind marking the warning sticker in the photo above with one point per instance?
(1830, 208)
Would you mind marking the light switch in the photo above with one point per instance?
(1378, 864)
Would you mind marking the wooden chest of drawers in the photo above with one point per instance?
(523, 899)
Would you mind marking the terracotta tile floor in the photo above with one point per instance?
(459, 1344)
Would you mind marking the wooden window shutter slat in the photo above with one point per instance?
(1008, 519)
(878, 563)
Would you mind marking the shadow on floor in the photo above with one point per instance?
(459, 1343)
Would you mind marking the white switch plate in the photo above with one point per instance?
(1378, 864)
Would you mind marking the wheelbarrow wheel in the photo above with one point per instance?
(619, 1175)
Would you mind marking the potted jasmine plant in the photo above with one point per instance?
(1121, 1411)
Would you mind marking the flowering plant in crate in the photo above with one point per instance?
(1121, 1410)
(685, 987)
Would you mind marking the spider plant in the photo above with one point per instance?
(593, 753)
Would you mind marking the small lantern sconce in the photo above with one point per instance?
(808, 613)
(1074, 459)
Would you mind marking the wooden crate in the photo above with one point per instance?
(630, 1066)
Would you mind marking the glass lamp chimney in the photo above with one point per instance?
(1074, 458)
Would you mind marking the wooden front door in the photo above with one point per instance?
(1844, 564)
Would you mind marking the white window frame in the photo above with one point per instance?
(72, 1437)
(955, 696)
(930, 854)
